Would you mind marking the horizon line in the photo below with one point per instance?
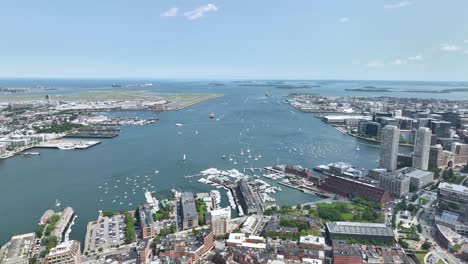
(218, 78)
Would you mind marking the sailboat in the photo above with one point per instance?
(242, 152)
(184, 158)
(230, 157)
(357, 148)
(57, 203)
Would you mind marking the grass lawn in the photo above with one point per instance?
(423, 201)
(458, 179)
(347, 216)
(420, 255)
(341, 211)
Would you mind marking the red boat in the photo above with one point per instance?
(212, 115)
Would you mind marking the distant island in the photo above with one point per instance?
(281, 86)
(449, 90)
(369, 89)
(216, 84)
(289, 87)
(373, 89)
(4, 90)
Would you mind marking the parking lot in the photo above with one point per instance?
(105, 233)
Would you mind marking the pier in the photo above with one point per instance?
(253, 169)
(68, 144)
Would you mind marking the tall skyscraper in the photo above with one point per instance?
(389, 147)
(422, 147)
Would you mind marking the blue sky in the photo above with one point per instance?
(236, 39)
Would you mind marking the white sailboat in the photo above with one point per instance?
(57, 203)
(230, 157)
(357, 148)
(184, 157)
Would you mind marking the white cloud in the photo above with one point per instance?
(418, 57)
(398, 5)
(449, 47)
(172, 12)
(399, 62)
(375, 63)
(344, 20)
(408, 60)
(200, 11)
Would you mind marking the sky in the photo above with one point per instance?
(235, 39)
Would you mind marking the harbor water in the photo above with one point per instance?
(114, 174)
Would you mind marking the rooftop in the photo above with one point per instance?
(146, 217)
(416, 173)
(453, 187)
(19, 247)
(188, 205)
(63, 248)
(314, 240)
(353, 228)
(451, 235)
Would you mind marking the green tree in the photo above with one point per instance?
(39, 231)
(456, 248)
(129, 228)
(426, 245)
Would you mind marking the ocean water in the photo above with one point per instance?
(245, 119)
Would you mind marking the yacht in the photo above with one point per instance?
(66, 147)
